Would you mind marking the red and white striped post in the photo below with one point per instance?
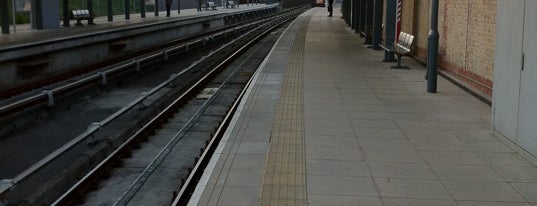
(398, 19)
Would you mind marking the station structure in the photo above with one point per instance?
(327, 121)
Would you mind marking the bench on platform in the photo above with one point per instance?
(403, 47)
(80, 15)
(210, 4)
(231, 4)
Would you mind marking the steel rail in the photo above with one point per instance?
(7, 184)
(101, 167)
(190, 183)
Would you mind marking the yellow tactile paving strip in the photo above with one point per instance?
(284, 180)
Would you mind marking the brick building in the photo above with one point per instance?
(467, 37)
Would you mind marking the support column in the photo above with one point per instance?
(142, 8)
(391, 8)
(89, 4)
(156, 7)
(178, 6)
(109, 10)
(377, 24)
(4, 16)
(45, 15)
(66, 13)
(361, 21)
(345, 10)
(353, 14)
(356, 17)
(369, 22)
(126, 5)
(432, 50)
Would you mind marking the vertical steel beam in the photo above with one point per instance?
(127, 8)
(361, 21)
(178, 6)
(89, 4)
(432, 51)
(156, 7)
(109, 11)
(377, 24)
(142, 8)
(391, 8)
(353, 13)
(369, 21)
(4, 16)
(66, 14)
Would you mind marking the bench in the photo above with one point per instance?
(403, 47)
(80, 15)
(231, 4)
(210, 4)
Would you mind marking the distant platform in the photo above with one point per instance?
(30, 56)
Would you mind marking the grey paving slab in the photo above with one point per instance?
(482, 191)
(333, 153)
(454, 158)
(526, 190)
(385, 143)
(331, 141)
(408, 188)
(249, 161)
(245, 177)
(380, 133)
(416, 202)
(517, 174)
(401, 170)
(439, 144)
(239, 196)
(504, 159)
(405, 156)
(334, 185)
(484, 203)
(466, 172)
(253, 147)
(342, 200)
(337, 168)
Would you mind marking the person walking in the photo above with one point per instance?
(330, 7)
(168, 7)
(199, 5)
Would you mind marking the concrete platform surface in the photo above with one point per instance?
(328, 123)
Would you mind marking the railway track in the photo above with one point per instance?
(176, 134)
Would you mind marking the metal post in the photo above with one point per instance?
(127, 8)
(369, 22)
(4, 15)
(109, 10)
(142, 8)
(90, 9)
(391, 7)
(353, 14)
(14, 19)
(66, 14)
(356, 15)
(377, 24)
(432, 51)
(178, 6)
(156, 7)
(361, 20)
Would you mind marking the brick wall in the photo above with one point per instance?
(467, 37)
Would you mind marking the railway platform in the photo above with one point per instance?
(326, 122)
